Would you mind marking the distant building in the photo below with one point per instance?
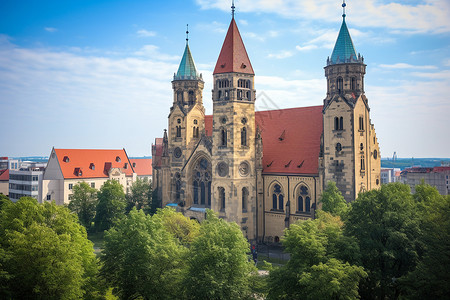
(390, 175)
(437, 177)
(67, 167)
(4, 180)
(3, 163)
(26, 181)
(142, 167)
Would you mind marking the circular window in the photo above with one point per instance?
(222, 169)
(244, 121)
(361, 146)
(244, 168)
(177, 152)
(375, 155)
(223, 120)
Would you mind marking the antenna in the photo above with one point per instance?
(187, 33)
(343, 9)
(232, 8)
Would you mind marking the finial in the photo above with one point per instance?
(187, 33)
(232, 8)
(343, 9)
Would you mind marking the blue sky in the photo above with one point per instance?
(97, 74)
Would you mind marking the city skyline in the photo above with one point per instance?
(84, 74)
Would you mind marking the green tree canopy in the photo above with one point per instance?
(84, 203)
(140, 195)
(142, 259)
(386, 226)
(182, 228)
(45, 253)
(218, 266)
(111, 205)
(319, 250)
(333, 201)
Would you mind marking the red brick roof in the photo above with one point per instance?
(233, 56)
(4, 175)
(142, 166)
(92, 163)
(291, 139)
(441, 169)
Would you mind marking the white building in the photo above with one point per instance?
(26, 181)
(390, 175)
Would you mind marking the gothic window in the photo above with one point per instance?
(244, 137)
(223, 137)
(361, 123)
(277, 198)
(339, 84)
(179, 131)
(239, 94)
(336, 123)
(247, 84)
(195, 131)
(177, 187)
(222, 198)
(248, 96)
(353, 83)
(363, 165)
(303, 199)
(226, 95)
(338, 147)
(244, 199)
(375, 154)
(191, 98)
(179, 96)
(218, 83)
(202, 182)
(361, 147)
(341, 123)
(220, 94)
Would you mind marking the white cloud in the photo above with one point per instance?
(281, 55)
(254, 36)
(306, 48)
(243, 22)
(407, 66)
(213, 26)
(50, 29)
(152, 51)
(427, 16)
(145, 33)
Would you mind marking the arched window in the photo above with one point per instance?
(361, 123)
(223, 137)
(361, 147)
(303, 199)
(220, 94)
(336, 123)
(191, 98)
(202, 182)
(363, 165)
(222, 198)
(277, 198)
(300, 203)
(177, 188)
(375, 154)
(179, 131)
(353, 83)
(244, 137)
(339, 84)
(338, 147)
(307, 204)
(179, 96)
(341, 123)
(239, 94)
(244, 199)
(249, 97)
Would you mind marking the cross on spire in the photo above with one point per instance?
(343, 9)
(187, 33)
(232, 9)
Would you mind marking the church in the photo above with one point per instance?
(264, 170)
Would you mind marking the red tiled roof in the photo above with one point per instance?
(4, 175)
(441, 169)
(142, 166)
(291, 139)
(233, 56)
(92, 163)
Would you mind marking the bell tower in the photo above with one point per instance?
(186, 120)
(233, 152)
(351, 151)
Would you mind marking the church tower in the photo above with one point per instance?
(186, 122)
(233, 152)
(351, 155)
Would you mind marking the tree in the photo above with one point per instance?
(182, 228)
(333, 201)
(386, 226)
(142, 259)
(45, 253)
(140, 195)
(218, 267)
(111, 205)
(84, 203)
(319, 250)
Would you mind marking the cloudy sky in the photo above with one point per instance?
(97, 74)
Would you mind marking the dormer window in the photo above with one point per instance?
(92, 166)
(66, 159)
(78, 172)
(125, 166)
(134, 165)
(117, 159)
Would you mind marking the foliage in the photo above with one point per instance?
(333, 201)
(318, 248)
(218, 267)
(84, 203)
(3, 199)
(140, 195)
(182, 228)
(142, 259)
(45, 253)
(386, 226)
(111, 205)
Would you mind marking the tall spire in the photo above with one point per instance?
(187, 69)
(344, 50)
(232, 9)
(233, 56)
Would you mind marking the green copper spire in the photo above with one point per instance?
(187, 70)
(344, 51)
